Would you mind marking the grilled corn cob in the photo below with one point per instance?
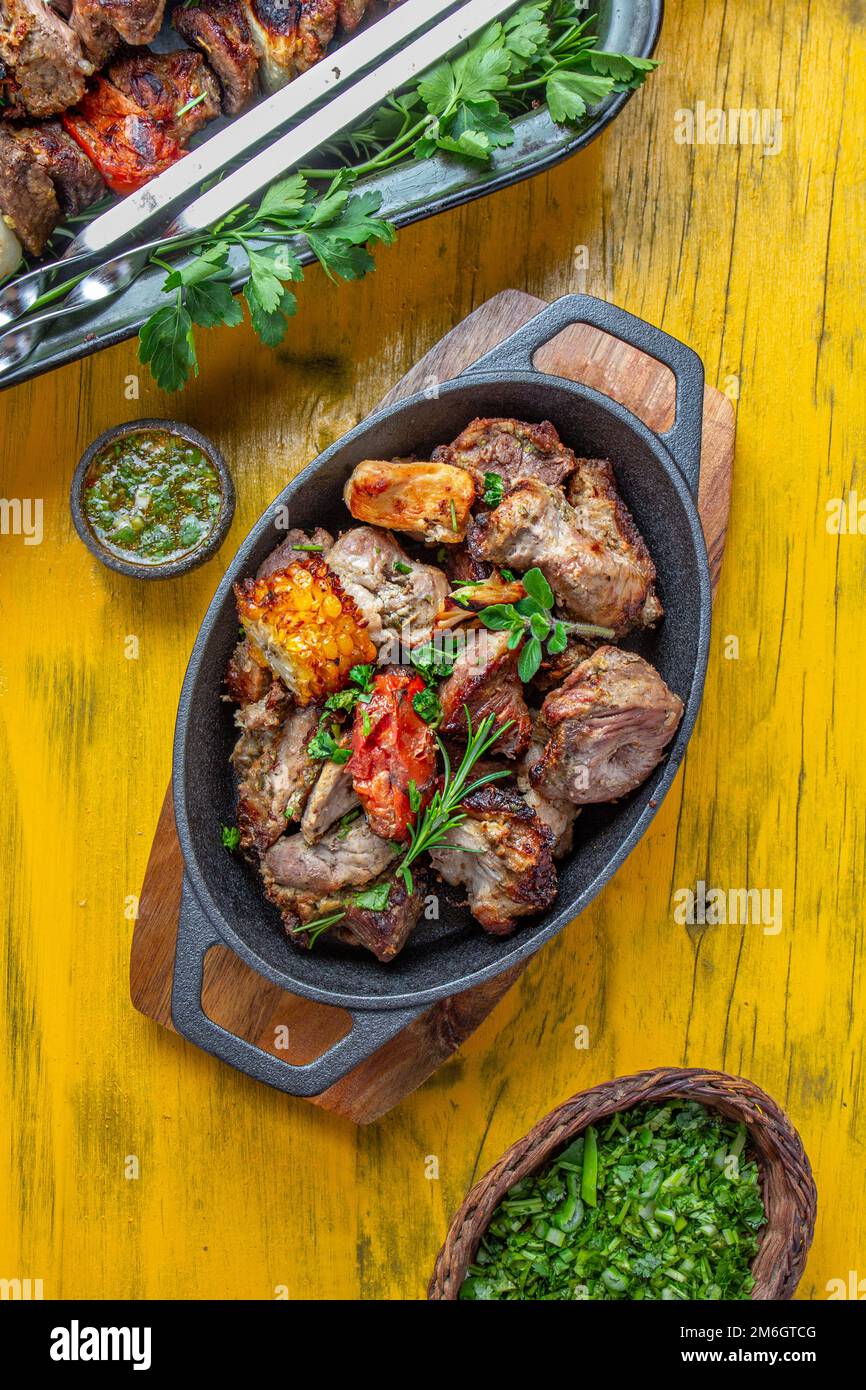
(310, 632)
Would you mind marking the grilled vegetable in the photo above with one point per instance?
(427, 500)
(127, 146)
(394, 755)
(663, 1204)
(310, 631)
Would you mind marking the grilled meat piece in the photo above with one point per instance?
(136, 21)
(595, 562)
(309, 630)
(501, 855)
(162, 84)
(485, 681)
(398, 597)
(98, 36)
(558, 815)
(275, 776)
(268, 712)
(392, 749)
(602, 514)
(247, 679)
(43, 56)
(513, 449)
(430, 501)
(609, 726)
(75, 180)
(127, 145)
(221, 30)
(307, 881)
(554, 669)
(28, 202)
(295, 546)
(331, 798)
(385, 933)
(290, 36)
(350, 13)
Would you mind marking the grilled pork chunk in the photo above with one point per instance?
(336, 862)
(43, 55)
(513, 449)
(28, 202)
(75, 180)
(164, 83)
(501, 856)
(610, 724)
(136, 21)
(431, 501)
(274, 778)
(385, 933)
(247, 679)
(333, 797)
(557, 815)
(98, 36)
(398, 597)
(350, 13)
(593, 558)
(485, 681)
(289, 36)
(220, 28)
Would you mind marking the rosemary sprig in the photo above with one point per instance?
(443, 813)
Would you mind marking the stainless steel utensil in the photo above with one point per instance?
(134, 212)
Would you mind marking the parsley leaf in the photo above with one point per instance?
(494, 489)
(426, 705)
(375, 899)
(569, 94)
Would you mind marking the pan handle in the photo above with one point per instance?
(683, 439)
(370, 1028)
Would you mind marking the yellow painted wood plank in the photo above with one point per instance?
(756, 260)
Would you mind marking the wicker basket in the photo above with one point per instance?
(786, 1177)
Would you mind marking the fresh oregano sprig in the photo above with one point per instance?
(530, 622)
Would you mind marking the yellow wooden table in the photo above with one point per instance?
(137, 1167)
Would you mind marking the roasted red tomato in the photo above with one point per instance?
(126, 145)
(393, 756)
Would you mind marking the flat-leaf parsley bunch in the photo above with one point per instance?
(463, 108)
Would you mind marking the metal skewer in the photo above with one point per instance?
(237, 188)
(235, 140)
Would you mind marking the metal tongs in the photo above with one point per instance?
(351, 101)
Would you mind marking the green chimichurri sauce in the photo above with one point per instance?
(152, 497)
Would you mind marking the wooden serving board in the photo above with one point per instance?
(296, 1029)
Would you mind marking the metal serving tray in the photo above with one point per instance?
(409, 193)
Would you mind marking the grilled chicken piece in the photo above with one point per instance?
(512, 449)
(501, 855)
(485, 681)
(398, 597)
(44, 57)
(558, 815)
(247, 679)
(610, 724)
(429, 500)
(309, 630)
(221, 30)
(333, 797)
(275, 776)
(393, 750)
(127, 145)
(28, 202)
(310, 881)
(385, 933)
(290, 36)
(296, 545)
(75, 180)
(136, 21)
(162, 84)
(594, 559)
(98, 36)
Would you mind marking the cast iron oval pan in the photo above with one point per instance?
(222, 898)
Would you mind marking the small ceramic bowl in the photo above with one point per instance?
(170, 568)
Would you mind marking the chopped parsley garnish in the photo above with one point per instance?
(494, 489)
(230, 837)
